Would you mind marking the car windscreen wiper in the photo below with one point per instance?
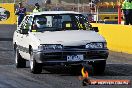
(49, 29)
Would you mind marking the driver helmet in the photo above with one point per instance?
(41, 22)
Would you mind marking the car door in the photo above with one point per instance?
(18, 35)
(24, 37)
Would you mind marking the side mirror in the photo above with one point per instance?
(95, 29)
(24, 31)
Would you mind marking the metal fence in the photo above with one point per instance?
(12, 1)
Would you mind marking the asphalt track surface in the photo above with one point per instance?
(119, 66)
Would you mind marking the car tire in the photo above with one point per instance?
(15, 46)
(99, 67)
(35, 67)
(19, 61)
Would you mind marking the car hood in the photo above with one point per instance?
(72, 37)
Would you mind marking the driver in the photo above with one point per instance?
(40, 22)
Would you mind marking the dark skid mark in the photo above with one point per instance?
(6, 39)
(5, 50)
(118, 70)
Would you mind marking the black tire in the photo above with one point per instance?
(19, 61)
(35, 67)
(15, 46)
(99, 67)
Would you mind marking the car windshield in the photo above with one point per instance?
(60, 22)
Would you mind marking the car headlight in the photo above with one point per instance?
(50, 47)
(95, 45)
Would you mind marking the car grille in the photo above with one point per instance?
(62, 56)
(74, 47)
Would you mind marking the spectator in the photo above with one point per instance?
(127, 11)
(37, 8)
(21, 12)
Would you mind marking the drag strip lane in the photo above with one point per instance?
(10, 77)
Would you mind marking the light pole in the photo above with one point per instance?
(14, 1)
(119, 11)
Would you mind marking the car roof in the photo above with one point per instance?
(55, 12)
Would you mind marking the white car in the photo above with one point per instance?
(58, 38)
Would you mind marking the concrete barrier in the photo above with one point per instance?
(118, 37)
(7, 13)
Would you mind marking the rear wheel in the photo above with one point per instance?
(99, 67)
(35, 67)
(19, 61)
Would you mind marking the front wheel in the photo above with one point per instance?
(99, 67)
(19, 61)
(35, 67)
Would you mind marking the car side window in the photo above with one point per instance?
(24, 22)
(27, 22)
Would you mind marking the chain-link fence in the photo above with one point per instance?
(11, 1)
(68, 5)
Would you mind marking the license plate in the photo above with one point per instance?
(75, 58)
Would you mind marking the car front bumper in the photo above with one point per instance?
(60, 57)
